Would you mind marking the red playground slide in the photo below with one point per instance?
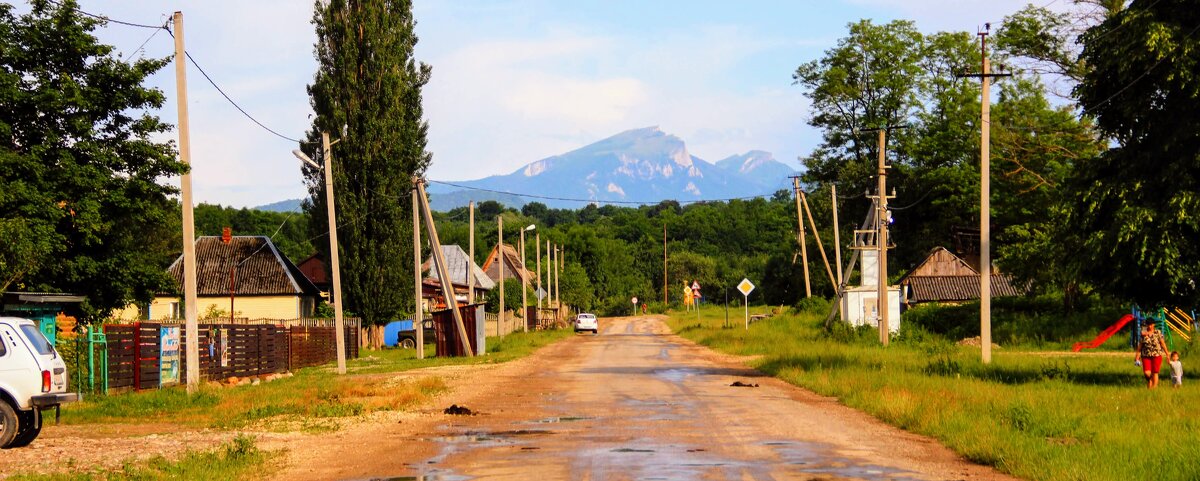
(1104, 335)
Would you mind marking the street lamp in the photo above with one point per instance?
(339, 325)
(524, 281)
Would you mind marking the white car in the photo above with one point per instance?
(587, 322)
(33, 378)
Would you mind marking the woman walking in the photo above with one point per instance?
(1150, 352)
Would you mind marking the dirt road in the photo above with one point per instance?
(634, 402)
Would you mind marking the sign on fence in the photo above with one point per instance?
(168, 356)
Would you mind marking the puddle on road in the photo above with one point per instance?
(676, 375)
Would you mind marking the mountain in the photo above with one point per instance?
(289, 205)
(640, 166)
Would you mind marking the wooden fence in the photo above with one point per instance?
(226, 350)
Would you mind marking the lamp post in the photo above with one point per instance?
(339, 326)
(524, 282)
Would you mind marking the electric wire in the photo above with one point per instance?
(102, 17)
(235, 104)
(590, 201)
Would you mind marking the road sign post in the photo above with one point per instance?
(746, 287)
(696, 298)
(635, 299)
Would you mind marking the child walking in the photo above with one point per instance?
(1176, 370)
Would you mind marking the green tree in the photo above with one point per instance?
(1138, 200)
(82, 208)
(367, 95)
(576, 287)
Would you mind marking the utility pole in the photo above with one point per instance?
(800, 236)
(985, 195)
(665, 300)
(500, 262)
(191, 329)
(418, 322)
(338, 322)
(549, 280)
(471, 247)
(524, 285)
(439, 263)
(837, 245)
(537, 246)
(557, 293)
(882, 236)
(817, 237)
(881, 226)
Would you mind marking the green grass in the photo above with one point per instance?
(238, 459)
(1037, 416)
(311, 393)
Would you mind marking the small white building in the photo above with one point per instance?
(860, 303)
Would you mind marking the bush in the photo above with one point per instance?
(814, 305)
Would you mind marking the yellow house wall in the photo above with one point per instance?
(251, 307)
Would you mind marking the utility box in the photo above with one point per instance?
(860, 304)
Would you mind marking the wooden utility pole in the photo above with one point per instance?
(800, 236)
(837, 245)
(500, 263)
(191, 331)
(665, 299)
(881, 220)
(418, 322)
(471, 254)
(985, 196)
(439, 261)
(817, 237)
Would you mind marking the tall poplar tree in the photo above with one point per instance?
(367, 96)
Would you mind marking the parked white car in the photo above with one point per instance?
(587, 322)
(33, 378)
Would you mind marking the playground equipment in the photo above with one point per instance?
(1171, 322)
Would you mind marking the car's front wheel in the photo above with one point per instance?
(9, 424)
(31, 426)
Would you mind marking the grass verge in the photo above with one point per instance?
(1031, 414)
(311, 395)
(238, 459)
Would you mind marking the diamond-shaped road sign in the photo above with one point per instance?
(541, 293)
(745, 287)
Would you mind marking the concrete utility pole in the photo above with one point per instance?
(800, 236)
(985, 196)
(338, 322)
(537, 246)
(524, 283)
(837, 245)
(500, 263)
(471, 254)
(418, 322)
(191, 331)
(439, 263)
(665, 300)
(549, 279)
(557, 264)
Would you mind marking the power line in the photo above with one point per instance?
(591, 201)
(235, 104)
(104, 18)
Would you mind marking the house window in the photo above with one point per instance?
(175, 313)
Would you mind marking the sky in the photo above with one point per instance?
(514, 81)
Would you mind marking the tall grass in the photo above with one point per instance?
(1042, 417)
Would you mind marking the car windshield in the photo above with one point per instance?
(39, 342)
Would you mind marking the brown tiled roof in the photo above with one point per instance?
(957, 288)
(512, 268)
(261, 268)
